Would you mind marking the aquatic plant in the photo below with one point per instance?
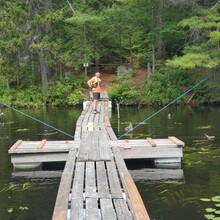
(212, 213)
(17, 187)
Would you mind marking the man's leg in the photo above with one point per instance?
(96, 97)
(95, 103)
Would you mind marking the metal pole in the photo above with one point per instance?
(85, 66)
(118, 111)
(85, 70)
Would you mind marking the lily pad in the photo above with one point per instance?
(23, 208)
(216, 199)
(205, 199)
(217, 212)
(203, 127)
(10, 210)
(22, 129)
(209, 216)
(217, 204)
(210, 210)
(216, 218)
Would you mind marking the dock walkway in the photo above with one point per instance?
(95, 183)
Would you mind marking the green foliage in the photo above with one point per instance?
(165, 86)
(62, 38)
(69, 91)
(193, 60)
(209, 93)
(124, 74)
(204, 43)
(124, 92)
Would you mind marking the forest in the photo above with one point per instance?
(44, 46)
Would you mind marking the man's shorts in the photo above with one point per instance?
(96, 95)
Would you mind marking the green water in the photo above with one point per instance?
(164, 200)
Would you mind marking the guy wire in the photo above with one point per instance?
(29, 116)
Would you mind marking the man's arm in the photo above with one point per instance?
(90, 82)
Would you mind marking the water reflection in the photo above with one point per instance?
(165, 199)
(179, 199)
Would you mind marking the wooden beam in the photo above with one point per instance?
(107, 122)
(15, 146)
(61, 206)
(42, 143)
(151, 142)
(176, 141)
(140, 213)
(137, 205)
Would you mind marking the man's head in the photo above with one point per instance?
(97, 74)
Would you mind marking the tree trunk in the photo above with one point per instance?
(148, 73)
(160, 24)
(153, 58)
(43, 70)
(131, 52)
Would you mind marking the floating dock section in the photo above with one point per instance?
(95, 183)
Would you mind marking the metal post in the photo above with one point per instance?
(85, 66)
(118, 111)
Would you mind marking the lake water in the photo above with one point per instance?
(164, 199)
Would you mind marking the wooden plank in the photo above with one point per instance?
(111, 133)
(61, 205)
(106, 108)
(104, 147)
(78, 133)
(122, 210)
(144, 143)
(15, 146)
(53, 149)
(103, 189)
(94, 154)
(80, 120)
(107, 122)
(138, 209)
(101, 117)
(88, 105)
(104, 95)
(83, 154)
(176, 141)
(90, 189)
(114, 182)
(158, 152)
(77, 211)
(107, 210)
(77, 200)
(78, 180)
(151, 142)
(38, 158)
(96, 119)
(92, 211)
(42, 143)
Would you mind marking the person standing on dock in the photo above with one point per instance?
(95, 85)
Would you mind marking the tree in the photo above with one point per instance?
(13, 35)
(203, 49)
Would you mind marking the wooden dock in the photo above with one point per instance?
(96, 183)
